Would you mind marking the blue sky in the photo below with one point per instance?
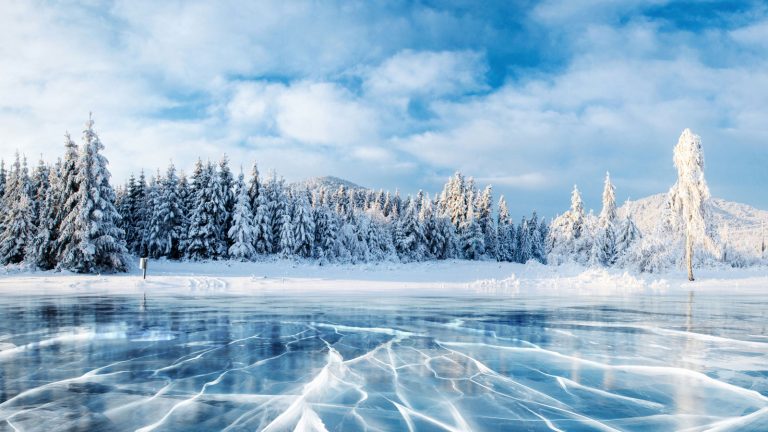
(531, 97)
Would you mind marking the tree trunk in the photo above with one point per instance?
(689, 255)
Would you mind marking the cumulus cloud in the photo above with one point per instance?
(396, 95)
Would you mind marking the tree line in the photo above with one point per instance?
(67, 216)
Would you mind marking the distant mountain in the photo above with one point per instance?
(328, 183)
(741, 223)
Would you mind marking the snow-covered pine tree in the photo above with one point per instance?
(98, 243)
(154, 246)
(326, 233)
(433, 240)
(139, 208)
(203, 239)
(387, 209)
(569, 238)
(543, 236)
(410, 241)
(689, 197)
(472, 243)
(304, 228)
(627, 234)
(538, 247)
(167, 222)
(64, 206)
(220, 206)
(604, 245)
(40, 188)
(286, 239)
(263, 236)
(241, 233)
(3, 175)
(254, 187)
(505, 234)
(524, 242)
(40, 253)
(185, 206)
(378, 237)
(226, 181)
(17, 228)
(277, 203)
(485, 220)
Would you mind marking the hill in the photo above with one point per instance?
(742, 224)
(328, 183)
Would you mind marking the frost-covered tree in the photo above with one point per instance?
(41, 252)
(604, 245)
(485, 220)
(185, 206)
(472, 243)
(569, 236)
(409, 238)
(97, 242)
(241, 233)
(226, 182)
(40, 188)
(167, 220)
(263, 237)
(689, 197)
(254, 187)
(505, 234)
(67, 187)
(203, 236)
(524, 242)
(326, 233)
(286, 238)
(17, 227)
(304, 228)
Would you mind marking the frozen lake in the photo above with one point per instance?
(369, 362)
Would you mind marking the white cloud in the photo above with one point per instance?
(443, 73)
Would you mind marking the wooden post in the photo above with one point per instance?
(143, 265)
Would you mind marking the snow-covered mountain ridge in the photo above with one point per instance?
(740, 223)
(328, 183)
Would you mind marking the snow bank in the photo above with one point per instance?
(452, 277)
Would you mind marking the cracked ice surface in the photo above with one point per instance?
(361, 362)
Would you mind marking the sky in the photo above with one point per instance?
(530, 97)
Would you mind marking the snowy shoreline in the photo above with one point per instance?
(443, 278)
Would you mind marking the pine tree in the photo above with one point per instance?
(98, 244)
(569, 238)
(304, 228)
(202, 239)
(41, 252)
(185, 210)
(473, 245)
(263, 236)
(40, 189)
(505, 234)
(626, 236)
(155, 246)
(67, 187)
(241, 233)
(604, 246)
(254, 188)
(287, 241)
(167, 222)
(17, 216)
(326, 234)
(485, 220)
(524, 242)
(226, 182)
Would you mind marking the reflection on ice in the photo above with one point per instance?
(360, 363)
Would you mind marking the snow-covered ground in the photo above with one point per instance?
(453, 277)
